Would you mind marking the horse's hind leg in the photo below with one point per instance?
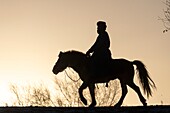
(137, 90)
(124, 92)
(82, 87)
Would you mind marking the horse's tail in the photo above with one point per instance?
(145, 80)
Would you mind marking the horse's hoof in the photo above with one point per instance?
(145, 104)
(117, 106)
(92, 105)
(84, 101)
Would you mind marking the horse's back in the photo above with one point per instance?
(120, 62)
(122, 68)
(121, 65)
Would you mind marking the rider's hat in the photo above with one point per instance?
(101, 23)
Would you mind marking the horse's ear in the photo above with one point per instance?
(60, 53)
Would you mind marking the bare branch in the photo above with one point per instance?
(166, 20)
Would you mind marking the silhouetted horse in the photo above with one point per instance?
(119, 68)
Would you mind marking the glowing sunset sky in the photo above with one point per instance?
(32, 32)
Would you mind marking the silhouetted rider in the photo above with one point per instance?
(100, 49)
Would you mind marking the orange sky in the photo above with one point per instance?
(32, 32)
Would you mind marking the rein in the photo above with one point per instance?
(70, 77)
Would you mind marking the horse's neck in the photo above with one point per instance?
(77, 64)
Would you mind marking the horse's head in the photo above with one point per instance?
(61, 64)
(73, 59)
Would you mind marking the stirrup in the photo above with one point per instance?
(106, 84)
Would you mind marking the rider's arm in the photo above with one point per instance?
(94, 46)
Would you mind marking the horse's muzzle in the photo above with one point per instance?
(55, 71)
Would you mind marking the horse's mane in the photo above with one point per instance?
(76, 53)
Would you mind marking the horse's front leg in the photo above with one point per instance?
(82, 87)
(92, 93)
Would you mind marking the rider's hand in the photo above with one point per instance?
(88, 54)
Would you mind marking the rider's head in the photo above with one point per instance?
(101, 26)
